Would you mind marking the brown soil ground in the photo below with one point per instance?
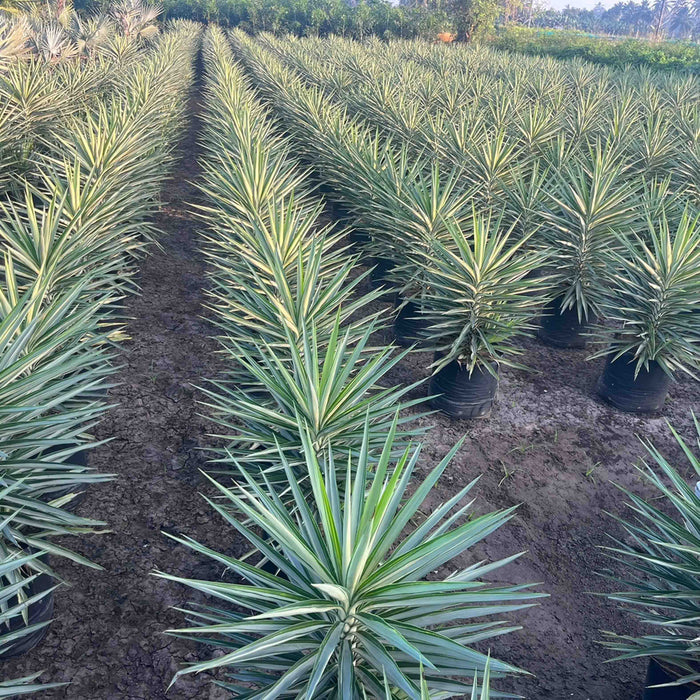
(552, 446)
(549, 445)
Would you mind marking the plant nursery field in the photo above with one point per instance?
(344, 370)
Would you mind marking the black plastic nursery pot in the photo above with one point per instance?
(339, 210)
(39, 612)
(562, 328)
(409, 324)
(644, 393)
(79, 459)
(382, 266)
(656, 675)
(461, 394)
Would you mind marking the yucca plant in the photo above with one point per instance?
(479, 296)
(96, 187)
(488, 167)
(8, 145)
(536, 127)
(652, 304)
(657, 145)
(532, 102)
(258, 300)
(335, 386)
(402, 203)
(590, 203)
(53, 362)
(26, 598)
(660, 585)
(284, 294)
(13, 606)
(688, 172)
(525, 200)
(351, 604)
(250, 178)
(247, 167)
(59, 242)
(27, 581)
(54, 366)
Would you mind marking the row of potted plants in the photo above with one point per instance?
(72, 237)
(519, 139)
(322, 507)
(577, 207)
(416, 216)
(487, 113)
(333, 598)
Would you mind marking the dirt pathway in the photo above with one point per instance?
(107, 637)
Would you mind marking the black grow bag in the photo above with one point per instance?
(79, 459)
(656, 675)
(643, 394)
(409, 324)
(382, 266)
(40, 611)
(462, 395)
(339, 210)
(561, 328)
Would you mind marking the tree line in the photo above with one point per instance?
(663, 19)
(460, 19)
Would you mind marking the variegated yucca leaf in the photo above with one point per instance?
(350, 604)
(481, 293)
(660, 579)
(654, 297)
(335, 387)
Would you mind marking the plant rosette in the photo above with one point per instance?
(652, 328)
